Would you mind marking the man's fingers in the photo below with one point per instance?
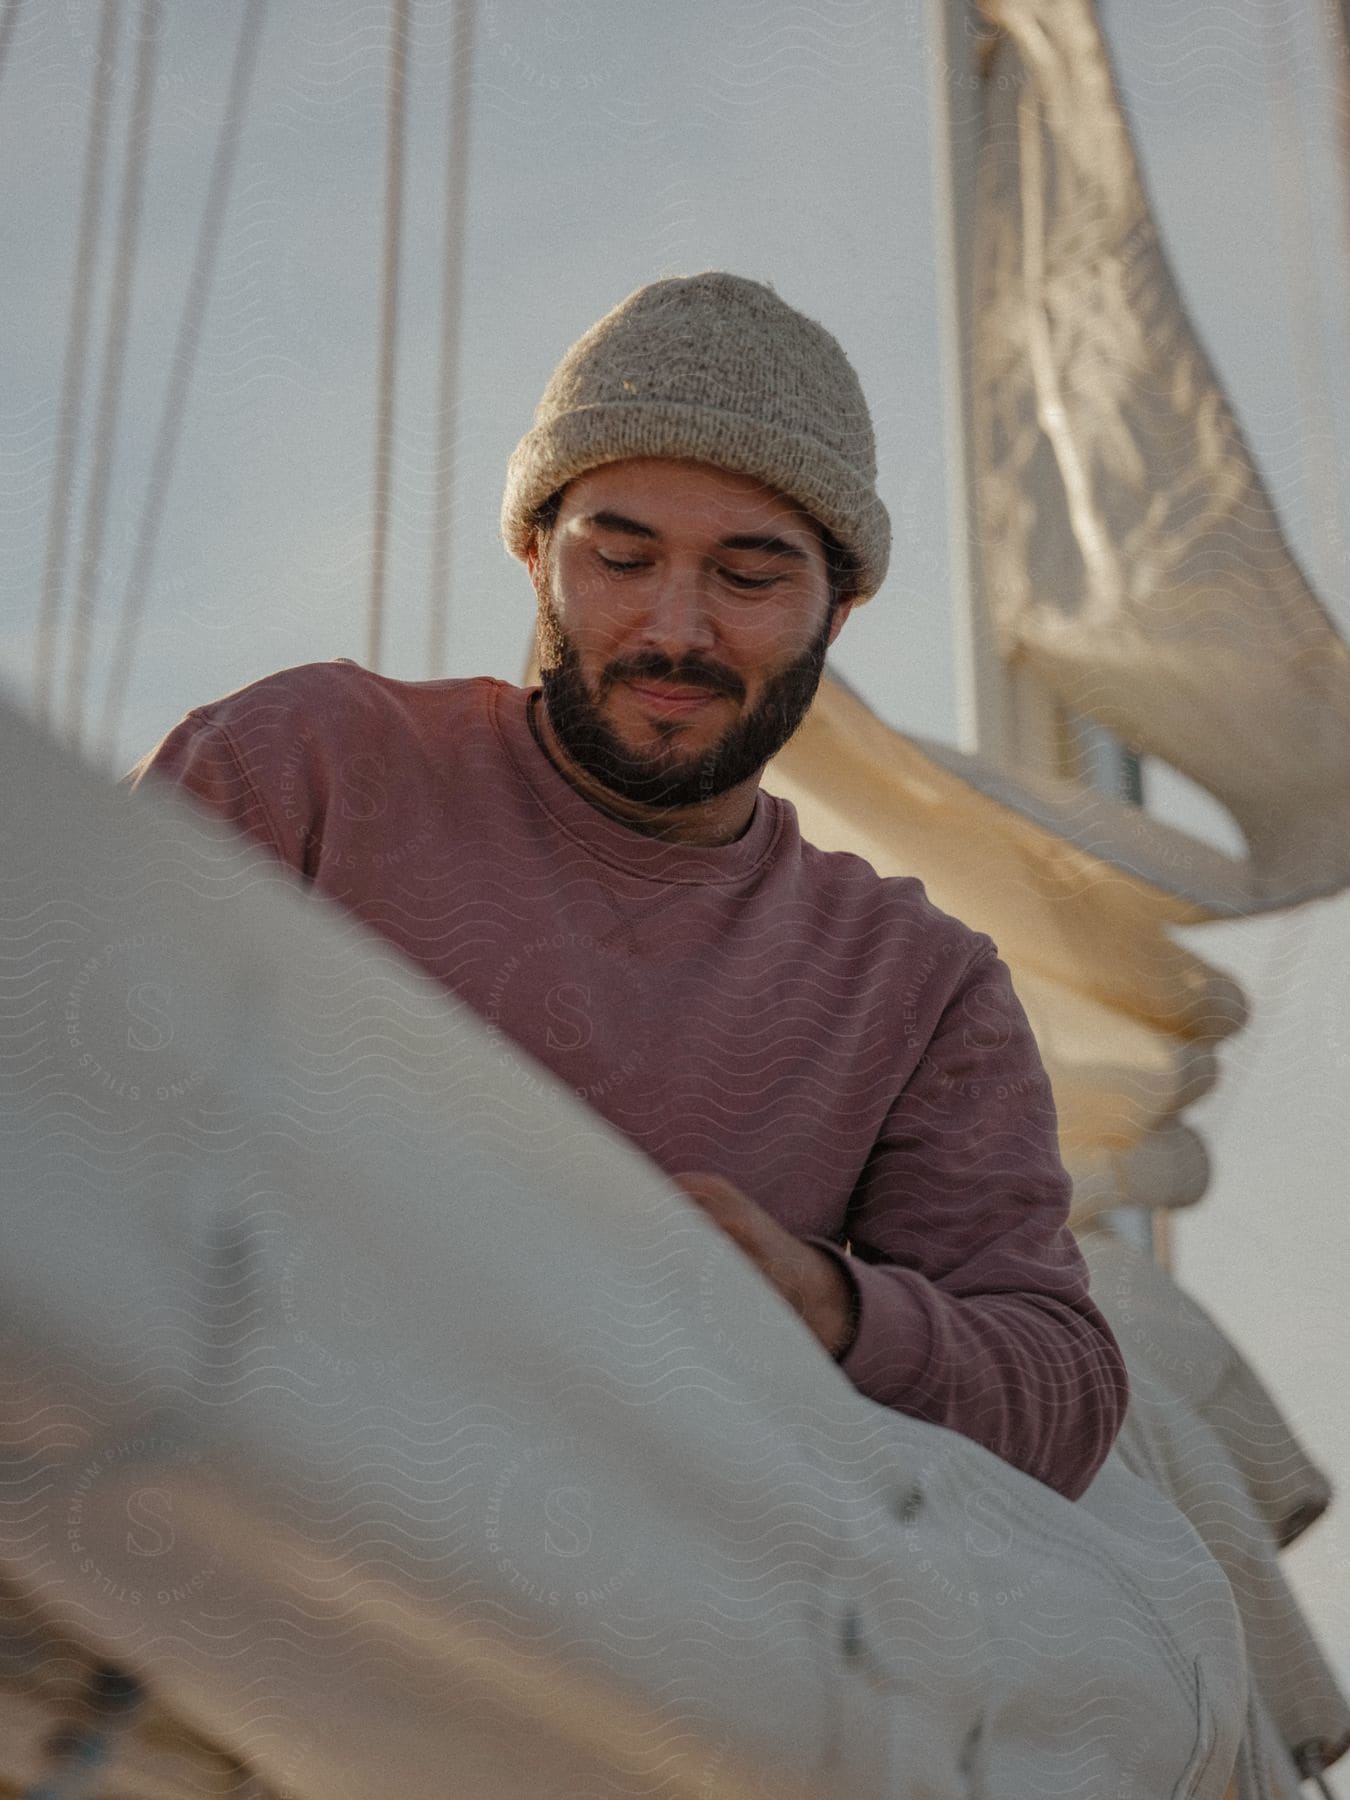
(714, 1191)
(809, 1280)
(745, 1222)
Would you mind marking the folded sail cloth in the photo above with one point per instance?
(51, 1726)
(1126, 1019)
(1265, 1769)
(1173, 1339)
(368, 1399)
(1203, 1426)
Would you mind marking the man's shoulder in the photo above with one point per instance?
(894, 904)
(339, 689)
(323, 711)
(319, 740)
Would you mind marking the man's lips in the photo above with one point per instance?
(672, 701)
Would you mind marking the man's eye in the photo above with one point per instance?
(614, 562)
(749, 582)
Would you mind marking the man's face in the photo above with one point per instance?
(683, 623)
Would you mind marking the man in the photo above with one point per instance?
(836, 1072)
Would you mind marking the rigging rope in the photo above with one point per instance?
(114, 365)
(8, 20)
(393, 230)
(73, 361)
(181, 367)
(462, 37)
(1338, 43)
(1295, 225)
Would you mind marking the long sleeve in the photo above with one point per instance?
(972, 1298)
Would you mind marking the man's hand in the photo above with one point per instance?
(811, 1282)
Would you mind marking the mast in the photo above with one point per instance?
(984, 688)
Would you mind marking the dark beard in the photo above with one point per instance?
(661, 777)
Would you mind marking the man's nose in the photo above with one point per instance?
(678, 617)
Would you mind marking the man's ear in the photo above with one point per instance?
(841, 612)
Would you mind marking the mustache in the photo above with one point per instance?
(655, 667)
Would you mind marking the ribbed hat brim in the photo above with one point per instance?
(551, 455)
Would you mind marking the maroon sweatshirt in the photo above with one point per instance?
(849, 1056)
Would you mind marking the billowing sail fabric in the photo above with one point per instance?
(1131, 556)
(1126, 1018)
(404, 1431)
(1203, 1426)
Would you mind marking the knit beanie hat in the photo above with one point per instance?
(718, 369)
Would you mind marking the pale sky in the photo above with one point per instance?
(613, 141)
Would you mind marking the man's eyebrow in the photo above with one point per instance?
(744, 540)
(612, 521)
(773, 546)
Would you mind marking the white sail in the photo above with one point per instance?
(1132, 558)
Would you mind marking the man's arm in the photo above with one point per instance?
(973, 1305)
(963, 1299)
